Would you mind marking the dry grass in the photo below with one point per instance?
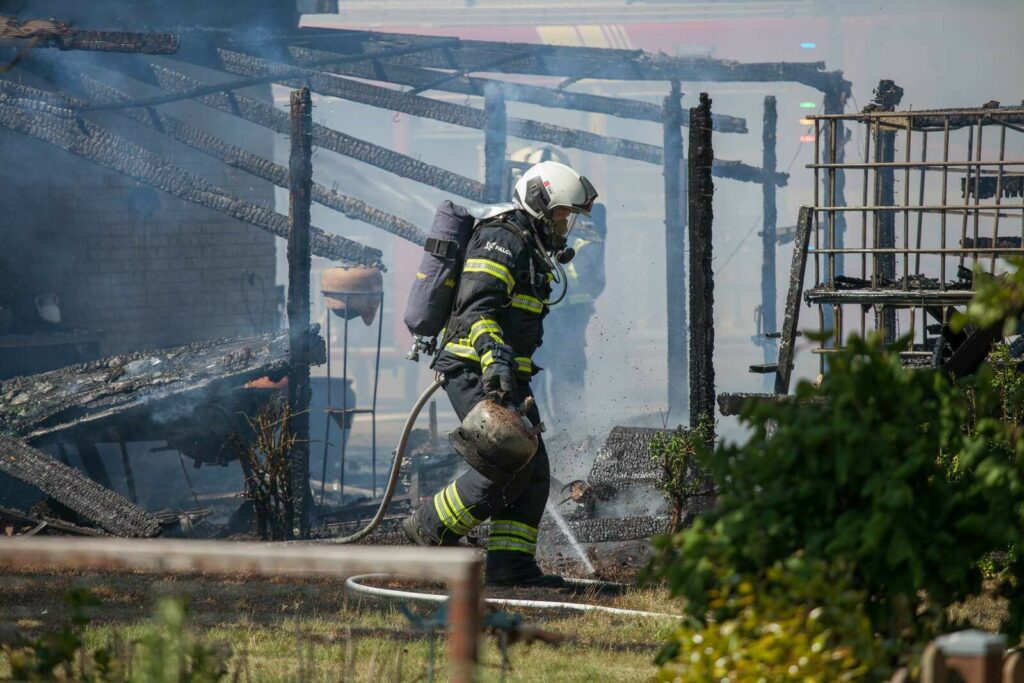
(294, 629)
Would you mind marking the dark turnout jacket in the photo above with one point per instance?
(500, 299)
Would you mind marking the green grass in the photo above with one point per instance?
(294, 629)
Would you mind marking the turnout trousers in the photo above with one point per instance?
(514, 508)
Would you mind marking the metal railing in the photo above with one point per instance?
(459, 568)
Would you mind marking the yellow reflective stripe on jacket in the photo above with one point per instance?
(492, 268)
(485, 326)
(463, 349)
(527, 303)
(514, 536)
(453, 514)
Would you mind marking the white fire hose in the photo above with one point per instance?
(396, 466)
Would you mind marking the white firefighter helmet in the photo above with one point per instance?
(550, 185)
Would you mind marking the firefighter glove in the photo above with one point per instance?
(499, 373)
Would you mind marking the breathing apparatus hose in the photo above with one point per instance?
(396, 467)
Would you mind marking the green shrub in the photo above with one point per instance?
(682, 476)
(796, 621)
(906, 478)
(166, 652)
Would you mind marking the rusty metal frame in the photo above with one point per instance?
(460, 568)
(913, 234)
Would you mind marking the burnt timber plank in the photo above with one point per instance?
(471, 117)
(586, 62)
(266, 115)
(39, 406)
(48, 33)
(234, 156)
(42, 115)
(416, 77)
(791, 319)
(69, 487)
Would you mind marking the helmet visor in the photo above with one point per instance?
(561, 226)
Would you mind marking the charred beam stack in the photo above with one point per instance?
(45, 117)
(701, 190)
(238, 157)
(299, 391)
(266, 115)
(517, 92)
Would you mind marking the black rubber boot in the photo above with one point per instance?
(420, 536)
(517, 569)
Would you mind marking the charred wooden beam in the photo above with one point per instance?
(495, 145)
(700, 195)
(586, 62)
(236, 157)
(791, 321)
(249, 82)
(58, 34)
(447, 112)
(69, 487)
(415, 77)
(38, 407)
(675, 250)
(300, 168)
(471, 117)
(266, 115)
(93, 142)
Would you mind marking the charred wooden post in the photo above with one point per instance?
(835, 102)
(36, 33)
(495, 144)
(769, 321)
(299, 391)
(43, 116)
(887, 98)
(701, 190)
(675, 249)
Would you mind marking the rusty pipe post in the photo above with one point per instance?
(464, 621)
(299, 200)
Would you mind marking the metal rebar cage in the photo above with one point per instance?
(941, 199)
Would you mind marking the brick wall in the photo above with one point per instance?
(140, 266)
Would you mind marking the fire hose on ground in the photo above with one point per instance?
(355, 584)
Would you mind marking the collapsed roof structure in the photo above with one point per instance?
(66, 106)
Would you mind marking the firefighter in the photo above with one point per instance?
(486, 352)
(566, 364)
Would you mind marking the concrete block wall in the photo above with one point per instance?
(144, 268)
